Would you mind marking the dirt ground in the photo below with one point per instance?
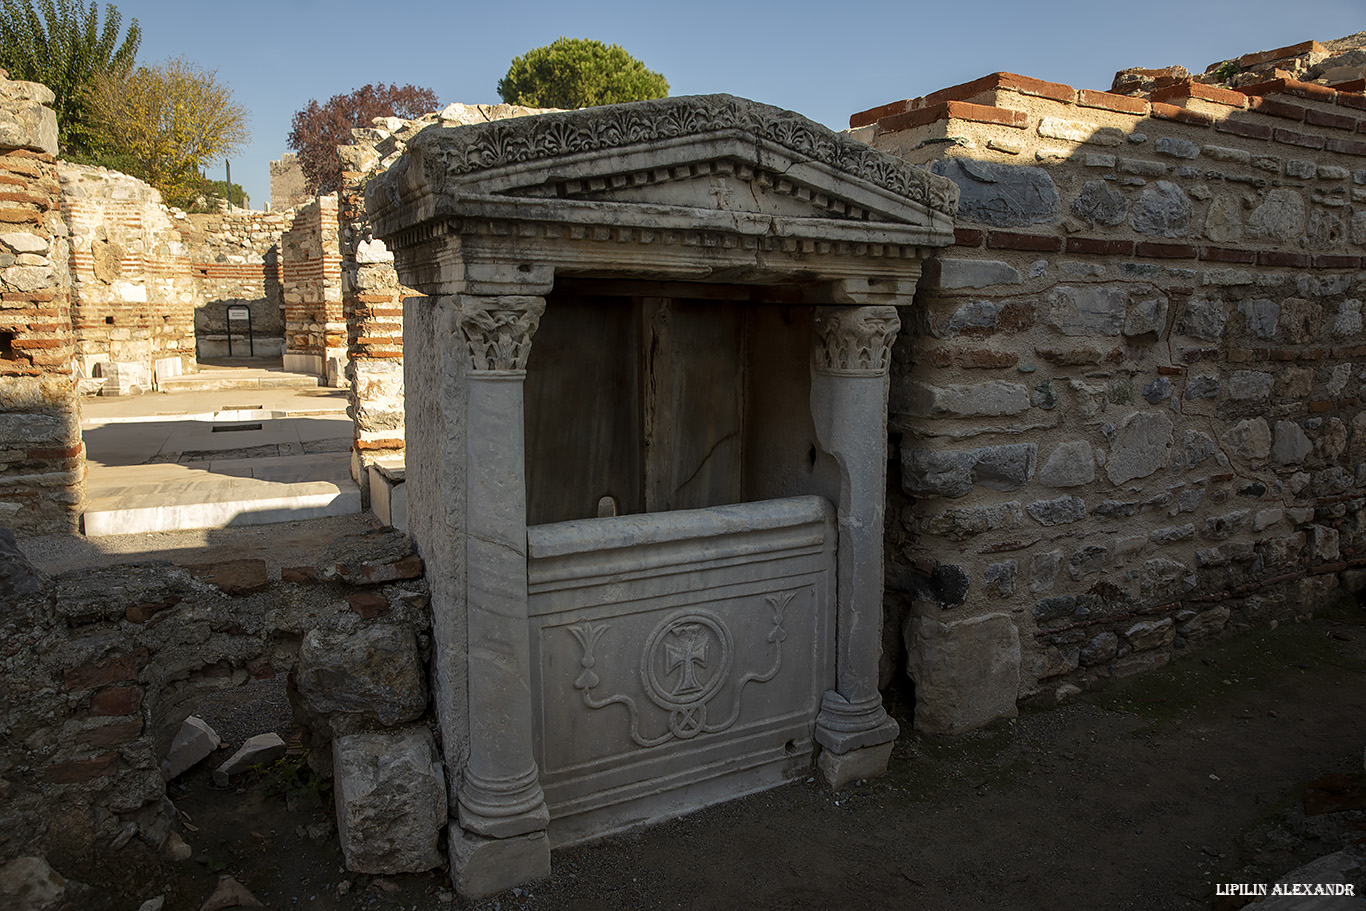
(1235, 764)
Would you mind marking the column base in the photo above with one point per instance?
(481, 867)
(503, 808)
(841, 768)
(842, 726)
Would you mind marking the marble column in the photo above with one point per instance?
(501, 839)
(852, 353)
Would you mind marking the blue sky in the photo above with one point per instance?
(825, 60)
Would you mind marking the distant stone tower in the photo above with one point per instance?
(287, 183)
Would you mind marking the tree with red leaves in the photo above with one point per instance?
(317, 130)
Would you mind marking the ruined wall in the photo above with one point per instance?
(287, 189)
(1129, 408)
(132, 298)
(234, 260)
(311, 280)
(371, 293)
(42, 459)
(101, 667)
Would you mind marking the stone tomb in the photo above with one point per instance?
(647, 397)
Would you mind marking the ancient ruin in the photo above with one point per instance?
(715, 422)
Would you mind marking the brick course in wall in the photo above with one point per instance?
(1129, 406)
(42, 459)
(311, 279)
(234, 260)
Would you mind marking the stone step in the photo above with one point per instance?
(171, 497)
(238, 379)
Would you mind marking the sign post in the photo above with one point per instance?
(239, 313)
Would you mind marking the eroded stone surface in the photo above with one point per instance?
(966, 672)
(391, 800)
(373, 673)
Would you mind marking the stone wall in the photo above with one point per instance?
(287, 184)
(42, 459)
(311, 279)
(1128, 410)
(132, 297)
(234, 260)
(371, 293)
(102, 666)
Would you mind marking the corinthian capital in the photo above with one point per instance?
(498, 330)
(855, 341)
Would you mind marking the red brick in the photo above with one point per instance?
(110, 670)
(1244, 128)
(112, 735)
(1201, 91)
(368, 604)
(1346, 146)
(954, 110)
(1180, 115)
(1100, 246)
(1283, 354)
(366, 445)
(117, 700)
(1022, 84)
(1355, 86)
(1307, 90)
(83, 769)
(304, 575)
(873, 115)
(1108, 101)
(1328, 261)
(1273, 108)
(1320, 407)
(1280, 53)
(1350, 351)
(1008, 240)
(69, 453)
(1165, 251)
(1352, 99)
(1334, 121)
(1283, 258)
(19, 216)
(233, 577)
(1170, 370)
(967, 237)
(1225, 255)
(1303, 140)
(141, 613)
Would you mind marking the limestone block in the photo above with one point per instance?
(1056, 661)
(29, 883)
(1250, 384)
(1044, 569)
(391, 800)
(28, 124)
(1218, 528)
(1249, 439)
(1087, 560)
(1003, 195)
(1261, 316)
(1348, 320)
(969, 400)
(1204, 318)
(1205, 623)
(953, 473)
(481, 867)
(1176, 148)
(373, 672)
(1147, 634)
(254, 751)
(972, 315)
(1146, 312)
(1325, 230)
(1300, 320)
(194, 742)
(966, 672)
(1158, 390)
(839, 769)
(1324, 543)
(1080, 131)
(1172, 534)
(999, 578)
(1139, 447)
(1224, 220)
(1197, 447)
(1290, 444)
(1088, 309)
(1280, 218)
(1099, 649)
(1071, 464)
(1161, 210)
(1100, 203)
(961, 523)
(1060, 511)
(972, 273)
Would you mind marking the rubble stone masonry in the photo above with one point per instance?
(315, 325)
(234, 260)
(42, 459)
(1128, 408)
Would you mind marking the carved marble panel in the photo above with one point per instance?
(679, 658)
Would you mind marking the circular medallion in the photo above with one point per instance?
(686, 660)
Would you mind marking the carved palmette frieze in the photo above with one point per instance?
(498, 330)
(484, 146)
(855, 341)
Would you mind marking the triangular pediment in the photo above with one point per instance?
(677, 161)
